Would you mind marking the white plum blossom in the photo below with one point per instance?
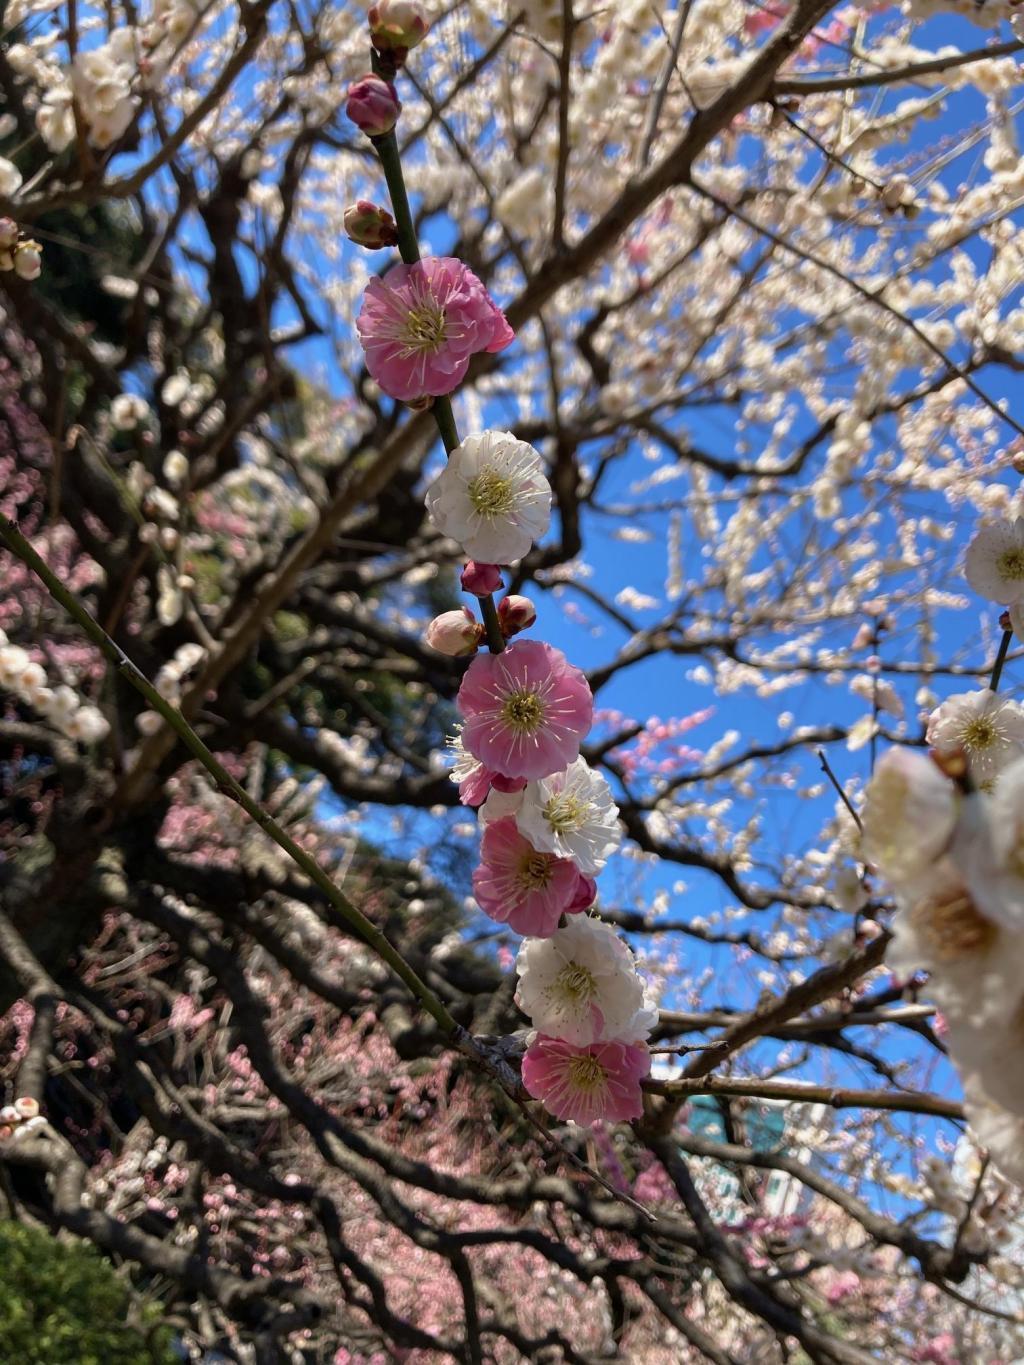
(909, 813)
(975, 965)
(87, 724)
(994, 564)
(986, 728)
(995, 1128)
(127, 410)
(492, 497)
(989, 849)
(572, 814)
(581, 984)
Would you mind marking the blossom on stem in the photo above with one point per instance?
(525, 710)
(372, 105)
(994, 564)
(421, 324)
(492, 497)
(480, 579)
(572, 813)
(584, 1084)
(455, 633)
(520, 886)
(910, 809)
(581, 984)
(987, 729)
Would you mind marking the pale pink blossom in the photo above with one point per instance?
(421, 324)
(525, 710)
(521, 887)
(585, 1084)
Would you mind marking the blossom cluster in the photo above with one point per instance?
(549, 820)
(946, 830)
(27, 679)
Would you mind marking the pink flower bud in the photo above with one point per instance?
(397, 25)
(584, 896)
(370, 226)
(481, 579)
(8, 233)
(8, 1114)
(456, 633)
(28, 260)
(373, 105)
(26, 1107)
(515, 614)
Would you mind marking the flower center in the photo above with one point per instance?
(491, 494)
(980, 733)
(424, 328)
(952, 927)
(576, 982)
(587, 1074)
(523, 711)
(534, 872)
(565, 812)
(1011, 563)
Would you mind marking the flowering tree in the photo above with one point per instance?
(687, 361)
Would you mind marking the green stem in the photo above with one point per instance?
(353, 917)
(387, 149)
(391, 163)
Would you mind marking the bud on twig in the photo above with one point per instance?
(515, 614)
(396, 26)
(373, 106)
(456, 633)
(368, 225)
(480, 579)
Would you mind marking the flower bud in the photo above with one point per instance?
(373, 105)
(26, 1107)
(368, 225)
(515, 614)
(480, 579)
(28, 260)
(396, 26)
(8, 233)
(456, 633)
(584, 896)
(8, 1114)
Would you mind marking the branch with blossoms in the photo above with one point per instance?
(261, 1046)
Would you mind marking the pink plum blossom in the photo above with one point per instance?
(518, 886)
(421, 324)
(525, 710)
(584, 1084)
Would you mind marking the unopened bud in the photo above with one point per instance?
(584, 896)
(8, 1114)
(28, 260)
(368, 225)
(373, 106)
(26, 1107)
(456, 633)
(8, 233)
(480, 579)
(396, 26)
(515, 614)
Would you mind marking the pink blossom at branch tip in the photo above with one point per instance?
(585, 1084)
(421, 324)
(480, 579)
(521, 887)
(372, 105)
(525, 710)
